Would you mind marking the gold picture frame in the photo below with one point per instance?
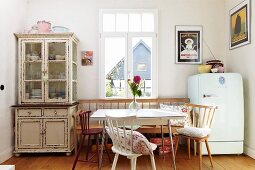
(240, 25)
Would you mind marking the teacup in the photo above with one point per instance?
(221, 69)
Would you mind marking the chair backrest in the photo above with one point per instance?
(120, 129)
(201, 115)
(84, 120)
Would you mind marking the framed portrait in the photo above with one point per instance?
(188, 43)
(240, 25)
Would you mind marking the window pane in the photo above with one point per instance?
(142, 57)
(74, 91)
(33, 51)
(57, 90)
(122, 22)
(134, 22)
(57, 70)
(33, 70)
(109, 23)
(33, 90)
(147, 22)
(74, 52)
(115, 50)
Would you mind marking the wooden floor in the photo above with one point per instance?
(62, 162)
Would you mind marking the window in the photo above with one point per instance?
(128, 47)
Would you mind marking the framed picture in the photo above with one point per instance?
(86, 58)
(240, 25)
(188, 44)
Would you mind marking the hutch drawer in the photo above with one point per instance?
(29, 112)
(55, 112)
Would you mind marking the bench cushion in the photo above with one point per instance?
(194, 131)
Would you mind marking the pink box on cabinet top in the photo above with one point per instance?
(44, 27)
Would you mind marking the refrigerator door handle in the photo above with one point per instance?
(209, 95)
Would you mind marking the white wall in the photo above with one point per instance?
(241, 60)
(12, 15)
(81, 16)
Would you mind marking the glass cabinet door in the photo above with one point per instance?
(32, 52)
(56, 66)
(74, 70)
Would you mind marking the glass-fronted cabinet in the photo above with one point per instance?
(48, 68)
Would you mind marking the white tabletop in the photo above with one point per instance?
(142, 113)
(7, 167)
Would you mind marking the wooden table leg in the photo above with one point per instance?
(172, 145)
(102, 147)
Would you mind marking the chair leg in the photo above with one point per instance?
(107, 152)
(162, 141)
(115, 161)
(134, 163)
(75, 140)
(188, 145)
(88, 148)
(200, 154)
(78, 153)
(195, 145)
(131, 164)
(153, 165)
(208, 150)
(97, 150)
(176, 145)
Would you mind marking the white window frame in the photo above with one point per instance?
(128, 36)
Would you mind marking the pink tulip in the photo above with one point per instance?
(137, 79)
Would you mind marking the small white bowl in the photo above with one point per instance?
(60, 29)
(34, 57)
(214, 70)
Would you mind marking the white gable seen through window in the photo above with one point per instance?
(128, 47)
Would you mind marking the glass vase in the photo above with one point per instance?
(134, 106)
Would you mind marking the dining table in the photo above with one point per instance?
(143, 117)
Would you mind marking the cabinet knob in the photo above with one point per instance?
(56, 112)
(29, 113)
(43, 131)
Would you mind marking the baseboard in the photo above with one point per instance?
(249, 151)
(6, 154)
(222, 148)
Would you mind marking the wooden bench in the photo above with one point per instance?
(94, 104)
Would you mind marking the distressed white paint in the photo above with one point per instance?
(241, 60)
(12, 15)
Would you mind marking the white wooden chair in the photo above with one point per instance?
(199, 129)
(128, 142)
